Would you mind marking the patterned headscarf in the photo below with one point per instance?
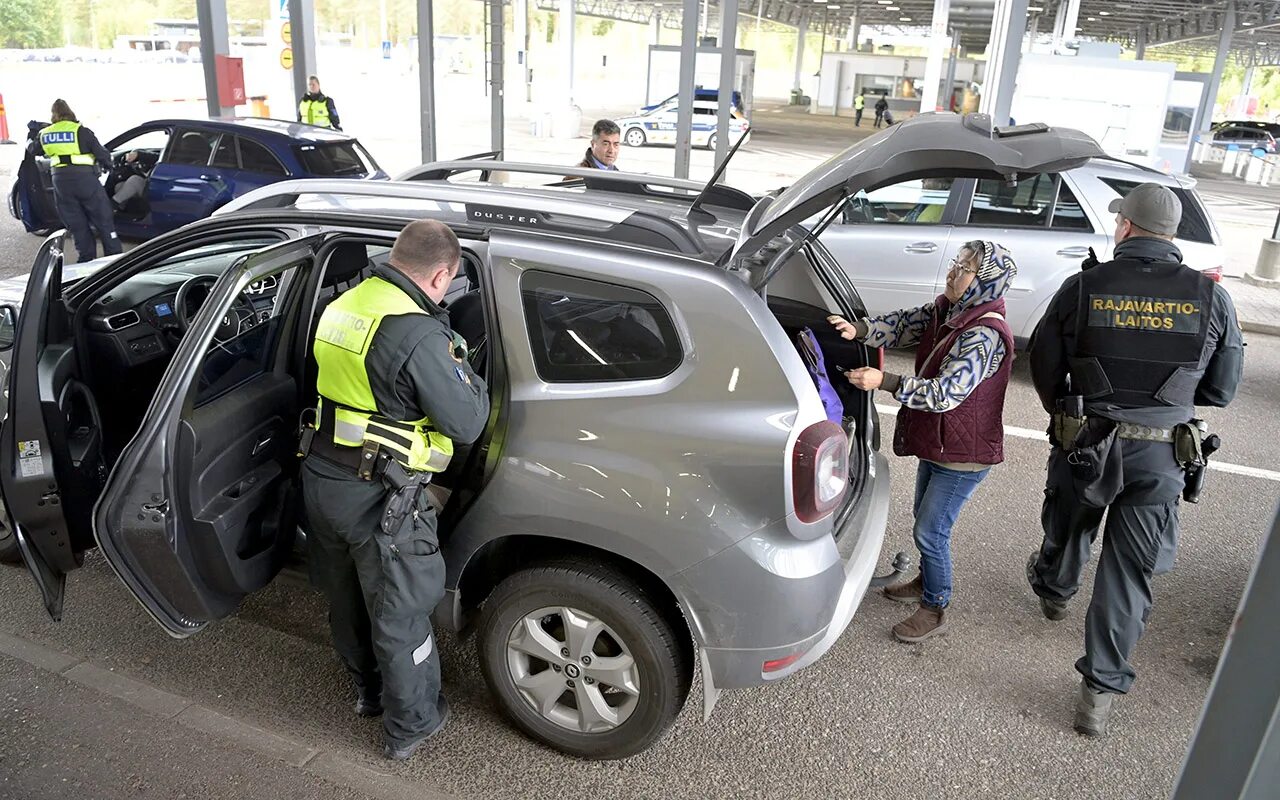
(995, 275)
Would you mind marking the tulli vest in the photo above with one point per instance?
(61, 143)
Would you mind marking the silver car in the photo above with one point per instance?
(659, 490)
(897, 241)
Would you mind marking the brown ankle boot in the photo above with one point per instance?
(928, 621)
(907, 592)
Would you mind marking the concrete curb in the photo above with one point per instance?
(1259, 327)
(328, 765)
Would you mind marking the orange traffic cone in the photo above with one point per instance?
(4, 124)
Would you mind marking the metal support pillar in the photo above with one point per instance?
(949, 85)
(520, 24)
(802, 31)
(1004, 52)
(565, 28)
(211, 15)
(938, 41)
(1140, 47)
(1215, 81)
(497, 119)
(728, 68)
(657, 25)
(427, 78)
(684, 112)
(1235, 751)
(1065, 22)
(1247, 87)
(302, 22)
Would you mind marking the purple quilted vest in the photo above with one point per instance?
(972, 432)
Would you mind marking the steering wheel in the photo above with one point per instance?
(192, 296)
(858, 210)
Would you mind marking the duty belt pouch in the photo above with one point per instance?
(1187, 445)
(1097, 469)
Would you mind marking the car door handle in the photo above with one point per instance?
(920, 247)
(1074, 252)
(257, 448)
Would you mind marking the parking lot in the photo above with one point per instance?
(982, 712)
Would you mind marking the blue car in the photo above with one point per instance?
(193, 167)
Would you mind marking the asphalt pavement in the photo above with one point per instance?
(984, 711)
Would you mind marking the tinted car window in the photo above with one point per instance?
(917, 202)
(336, 160)
(225, 155)
(1194, 226)
(256, 158)
(1067, 214)
(1024, 205)
(193, 148)
(584, 330)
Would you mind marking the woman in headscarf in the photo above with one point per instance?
(951, 410)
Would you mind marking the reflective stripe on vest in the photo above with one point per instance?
(315, 112)
(61, 143)
(346, 331)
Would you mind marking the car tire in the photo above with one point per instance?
(711, 142)
(622, 625)
(636, 137)
(9, 546)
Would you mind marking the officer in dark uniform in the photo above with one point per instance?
(73, 153)
(1125, 352)
(396, 391)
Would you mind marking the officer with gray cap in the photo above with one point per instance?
(1124, 353)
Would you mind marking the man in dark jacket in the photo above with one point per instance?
(396, 392)
(882, 106)
(317, 108)
(1141, 340)
(606, 141)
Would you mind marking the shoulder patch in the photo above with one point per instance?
(462, 376)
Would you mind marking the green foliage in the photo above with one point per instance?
(601, 27)
(29, 23)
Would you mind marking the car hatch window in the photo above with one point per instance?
(256, 158)
(225, 154)
(1024, 205)
(586, 330)
(1194, 226)
(333, 160)
(915, 202)
(1067, 213)
(193, 148)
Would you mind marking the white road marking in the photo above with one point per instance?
(1027, 433)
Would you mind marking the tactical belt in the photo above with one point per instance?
(356, 457)
(336, 453)
(1143, 433)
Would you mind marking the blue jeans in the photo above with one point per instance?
(940, 494)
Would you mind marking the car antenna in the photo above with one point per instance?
(706, 217)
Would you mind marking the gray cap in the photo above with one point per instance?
(1151, 207)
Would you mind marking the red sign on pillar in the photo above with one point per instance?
(230, 72)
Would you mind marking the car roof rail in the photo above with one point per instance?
(654, 186)
(480, 204)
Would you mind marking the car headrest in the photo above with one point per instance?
(346, 262)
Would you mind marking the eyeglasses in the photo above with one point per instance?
(960, 266)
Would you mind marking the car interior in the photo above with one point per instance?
(234, 451)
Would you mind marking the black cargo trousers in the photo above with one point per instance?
(84, 208)
(1139, 542)
(381, 590)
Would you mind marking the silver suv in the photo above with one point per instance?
(897, 240)
(659, 489)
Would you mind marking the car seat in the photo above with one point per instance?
(348, 264)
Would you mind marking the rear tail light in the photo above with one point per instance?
(780, 663)
(1212, 273)
(819, 470)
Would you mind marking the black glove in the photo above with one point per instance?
(1089, 262)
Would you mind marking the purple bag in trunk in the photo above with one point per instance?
(811, 352)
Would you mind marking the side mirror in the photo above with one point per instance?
(8, 325)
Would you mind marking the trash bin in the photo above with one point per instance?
(797, 97)
(258, 106)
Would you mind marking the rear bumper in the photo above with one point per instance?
(798, 608)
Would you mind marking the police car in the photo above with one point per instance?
(660, 489)
(658, 126)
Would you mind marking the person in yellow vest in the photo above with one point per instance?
(74, 154)
(317, 108)
(859, 103)
(396, 392)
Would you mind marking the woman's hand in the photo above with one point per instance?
(865, 378)
(847, 329)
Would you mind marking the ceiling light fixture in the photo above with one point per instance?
(904, 19)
